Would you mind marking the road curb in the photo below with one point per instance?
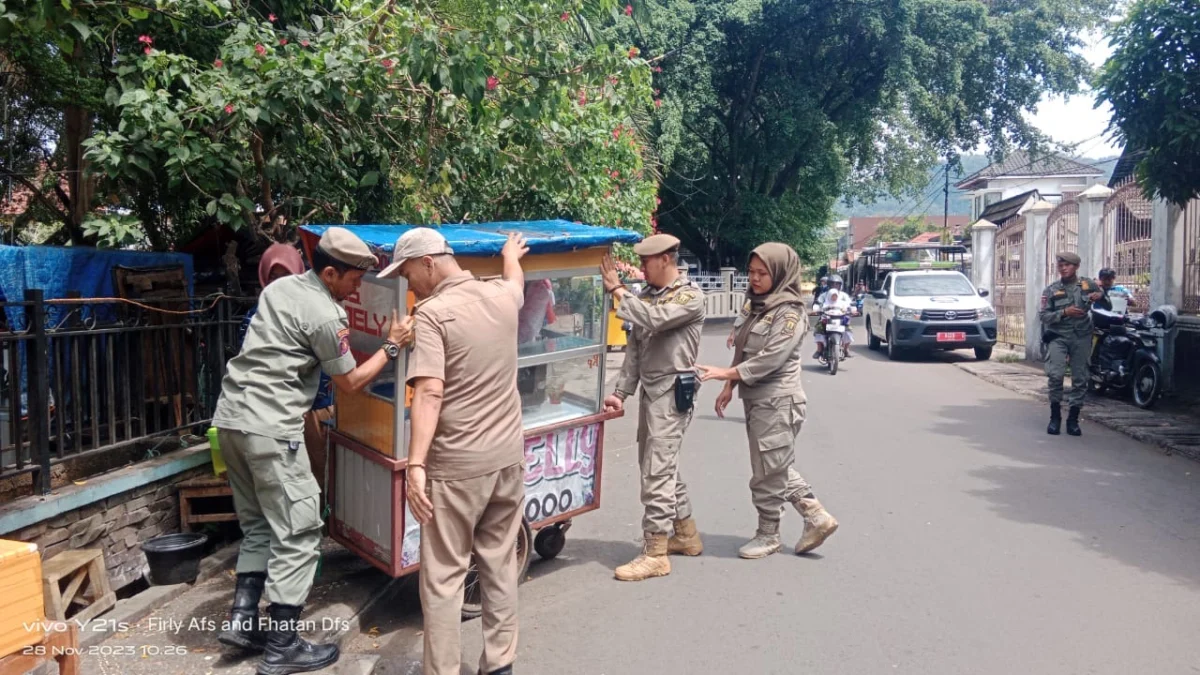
(1176, 436)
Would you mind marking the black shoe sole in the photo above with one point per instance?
(288, 669)
(240, 642)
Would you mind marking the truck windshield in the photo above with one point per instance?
(934, 284)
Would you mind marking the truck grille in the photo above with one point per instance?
(948, 315)
(968, 329)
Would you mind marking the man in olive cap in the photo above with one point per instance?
(466, 457)
(1067, 335)
(299, 330)
(661, 354)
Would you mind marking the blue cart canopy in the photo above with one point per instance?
(486, 239)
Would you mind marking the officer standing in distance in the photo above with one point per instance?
(299, 330)
(667, 318)
(1067, 335)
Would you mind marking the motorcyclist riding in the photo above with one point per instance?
(837, 298)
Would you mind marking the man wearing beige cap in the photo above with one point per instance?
(661, 354)
(466, 456)
(299, 330)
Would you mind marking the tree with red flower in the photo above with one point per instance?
(492, 82)
(260, 50)
(628, 10)
(229, 108)
(218, 63)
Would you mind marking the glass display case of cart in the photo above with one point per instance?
(562, 330)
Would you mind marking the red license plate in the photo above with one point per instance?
(951, 337)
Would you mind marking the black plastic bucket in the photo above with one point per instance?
(175, 558)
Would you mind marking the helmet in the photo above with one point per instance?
(824, 279)
(1108, 273)
(835, 279)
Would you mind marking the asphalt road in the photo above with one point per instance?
(970, 542)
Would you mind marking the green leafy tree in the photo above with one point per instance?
(773, 109)
(902, 231)
(1152, 82)
(269, 116)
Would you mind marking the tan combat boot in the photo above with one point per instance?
(686, 539)
(818, 524)
(652, 562)
(764, 543)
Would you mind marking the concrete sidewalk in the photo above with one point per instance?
(1176, 434)
(176, 626)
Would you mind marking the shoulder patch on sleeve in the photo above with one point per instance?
(343, 336)
(685, 296)
(790, 321)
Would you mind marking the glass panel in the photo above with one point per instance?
(560, 313)
(560, 391)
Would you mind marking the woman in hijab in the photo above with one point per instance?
(766, 373)
(278, 261)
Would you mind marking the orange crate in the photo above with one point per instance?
(21, 588)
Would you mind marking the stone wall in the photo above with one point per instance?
(118, 524)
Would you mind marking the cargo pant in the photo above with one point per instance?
(772, 425)
(278, 507)
(660, 438)
(482, 516)
(1078, 349)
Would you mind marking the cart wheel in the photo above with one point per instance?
(473, 593)
(550, 542)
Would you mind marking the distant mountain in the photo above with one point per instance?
(931, 198)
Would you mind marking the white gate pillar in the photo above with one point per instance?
(1091, 229)
(1034, 267)
(983, 255)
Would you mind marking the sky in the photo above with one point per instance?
(1074, 119)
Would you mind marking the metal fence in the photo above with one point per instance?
(1191, 258)
(1127, 218)
(1009, 284)
(1062, 235)
(88, 376)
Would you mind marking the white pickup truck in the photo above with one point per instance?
(929, 310)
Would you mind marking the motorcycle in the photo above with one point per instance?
(1125, 355)
(835, 322)
(858, 302)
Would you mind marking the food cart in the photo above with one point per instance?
(561, 369)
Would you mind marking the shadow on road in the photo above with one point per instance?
(1114, 494)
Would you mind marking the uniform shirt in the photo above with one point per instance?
(1057, 297)
(771, 360)
(298, 331)
(324, 397)
(665, 339)
(466, 336)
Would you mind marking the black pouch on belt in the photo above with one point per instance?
(1049, 336)
(685, 392)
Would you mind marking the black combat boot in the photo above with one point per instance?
(1073, 422)
(286, 651)
(506, 670)
(243, 631)
(1055, 419)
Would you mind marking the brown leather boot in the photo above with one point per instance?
(818, 524)
(686, 540)
(652, 562)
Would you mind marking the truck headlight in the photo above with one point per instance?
(908, 314)
(987, 313)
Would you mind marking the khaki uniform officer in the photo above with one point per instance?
(766, 372)
(667, 319)
(299, 330)
(466, 459)
(1067, 335)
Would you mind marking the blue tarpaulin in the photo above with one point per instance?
(486, 239)
(56, 270)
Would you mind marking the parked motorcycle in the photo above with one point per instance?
(1126, 352)
(836, 322)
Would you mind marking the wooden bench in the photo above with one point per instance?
(61, 644)
(202, 488)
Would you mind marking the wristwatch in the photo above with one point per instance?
(391, 349)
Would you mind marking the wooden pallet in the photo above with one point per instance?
(87, 585)
(61, 644)
(202, 488)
